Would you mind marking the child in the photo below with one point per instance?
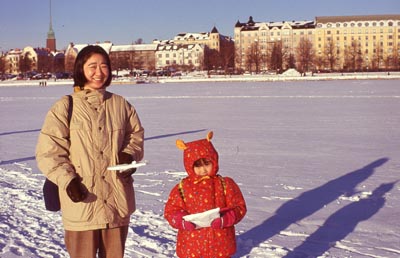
(203, 190)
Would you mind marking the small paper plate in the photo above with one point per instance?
(123, 167)
(203, 219)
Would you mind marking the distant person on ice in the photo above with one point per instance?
(104, 130)
(204, 206)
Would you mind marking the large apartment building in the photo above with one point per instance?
(262, 37)
(371, 41)
(339, 42)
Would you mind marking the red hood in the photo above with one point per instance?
(199, 149)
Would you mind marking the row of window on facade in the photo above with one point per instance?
(360, 24)
(174, 55)
(311, 32)
(195, 62)
(361, 31)
(366, 44)
(374, 37)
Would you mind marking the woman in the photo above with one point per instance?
(104, 130)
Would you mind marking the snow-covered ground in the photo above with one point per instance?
(317, 161)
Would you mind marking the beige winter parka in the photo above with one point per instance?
(102, 125)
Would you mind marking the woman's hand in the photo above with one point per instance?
(76, 191)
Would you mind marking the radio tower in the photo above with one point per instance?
(51, 37)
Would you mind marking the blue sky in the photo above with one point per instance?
(26, 22)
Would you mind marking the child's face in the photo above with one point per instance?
(202, 167)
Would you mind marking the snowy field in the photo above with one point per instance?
(318, 163)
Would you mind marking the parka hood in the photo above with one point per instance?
(199, 149)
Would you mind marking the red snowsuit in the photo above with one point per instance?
(198, 194)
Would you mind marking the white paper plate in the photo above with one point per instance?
(122, 167)
(203, 219)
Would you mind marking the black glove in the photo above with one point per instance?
(76, 191)
(127, 173)
(125, 158)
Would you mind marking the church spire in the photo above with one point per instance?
(51, 37)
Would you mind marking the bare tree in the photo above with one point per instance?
(58, 61)
(377, 58)
(254, 57)
(2, 65)
(320, 62)
(290, 60)
(25, 63)
(238, 59)
(44, 62)
(395, 60)
(120, 61)
(353, 59)
(211, 59)
(69, 63)
(277, 57)
(304, 55)
(387, 59)
(227, 55)
(331, 54)
(139, 41)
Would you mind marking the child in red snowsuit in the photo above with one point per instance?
(204, 190)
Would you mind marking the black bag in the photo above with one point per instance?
(50, 189)
(51, 196)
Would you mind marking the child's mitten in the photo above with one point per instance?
(179, 223)
(227, 219)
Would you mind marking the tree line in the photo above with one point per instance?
(277, 57)
(304, 58)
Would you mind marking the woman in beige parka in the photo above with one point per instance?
(104, 130)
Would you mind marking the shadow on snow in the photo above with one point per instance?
(15, 132)
(342, 223)
(7, 162)
(306, 204)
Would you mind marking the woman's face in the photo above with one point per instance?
(96, 72)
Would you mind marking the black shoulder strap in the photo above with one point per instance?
(70, 106)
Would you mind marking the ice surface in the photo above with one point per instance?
(317, 162)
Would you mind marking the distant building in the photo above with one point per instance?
(362, 42)
(339, 42)
(213, 39)
(30, 59)
(12, 61)
(51, 40)
(264, 36)
(211, 49)
(180, 55)
(133, 57)
(51, 37)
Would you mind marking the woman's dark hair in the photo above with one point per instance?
(83, 55)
